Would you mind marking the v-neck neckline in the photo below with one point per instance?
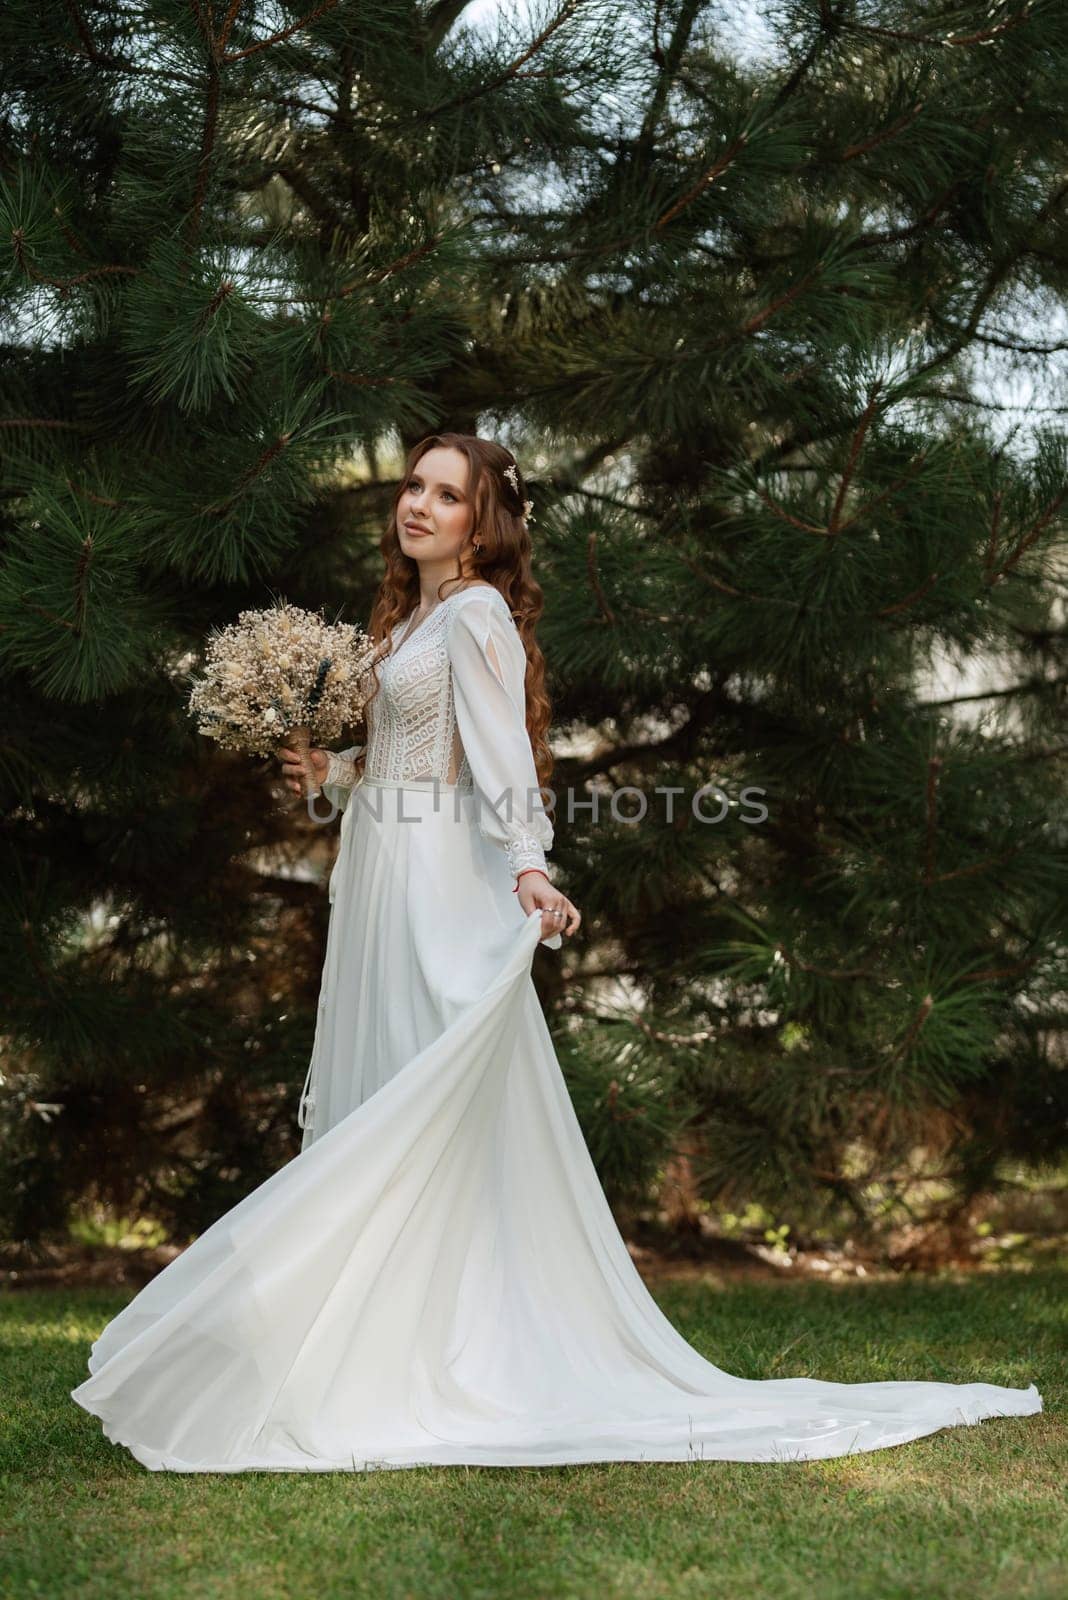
(410, 633)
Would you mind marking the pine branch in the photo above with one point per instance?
(945, 40)
(58, 423)
(669, 62)
(1029, 686)
(229, 56)
(853, 151)
(607, 614)
(317, 203)
(895, 607)
(956, 398)
(1030, 538)
(399, 265)
(207, 137)
(64, 285)
(716, 170)
(439, 19)
(228, 23)
(1023, 347)
(508, 74)
(258, 468)
(831, 22)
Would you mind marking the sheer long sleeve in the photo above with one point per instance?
(340, 775)
(488, 670)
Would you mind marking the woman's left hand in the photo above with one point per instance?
(535, 891)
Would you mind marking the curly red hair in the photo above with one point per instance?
(504, 561)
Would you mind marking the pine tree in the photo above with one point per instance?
(245, 263)
(740, 316)
(801, 488)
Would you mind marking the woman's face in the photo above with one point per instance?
(435, 517)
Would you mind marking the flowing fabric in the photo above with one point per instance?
(437, 1279)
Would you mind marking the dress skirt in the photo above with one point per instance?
(422, 919)
(437, 1279)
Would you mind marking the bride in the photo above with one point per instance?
(437, 1279)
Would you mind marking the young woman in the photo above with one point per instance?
(437, 1279)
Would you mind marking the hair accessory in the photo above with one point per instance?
(511, 472)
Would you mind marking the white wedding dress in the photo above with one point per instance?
(437, 1278)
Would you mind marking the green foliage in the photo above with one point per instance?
(628, 1100)
(771, 330)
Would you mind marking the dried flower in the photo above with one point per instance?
(278, 669)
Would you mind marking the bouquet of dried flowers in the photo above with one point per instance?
(281, 676)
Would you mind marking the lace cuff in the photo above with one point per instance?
(340, 775)
(524, 850)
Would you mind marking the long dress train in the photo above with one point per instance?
(437, 1279)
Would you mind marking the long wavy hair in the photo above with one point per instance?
(504, 560)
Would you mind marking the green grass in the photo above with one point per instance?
(975, 1512)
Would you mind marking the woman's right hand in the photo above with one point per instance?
(293, 767)
(537, 892)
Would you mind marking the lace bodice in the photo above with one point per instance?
(452, 706)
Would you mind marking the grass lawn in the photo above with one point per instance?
(973, 1512)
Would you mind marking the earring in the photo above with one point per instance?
(477, 547)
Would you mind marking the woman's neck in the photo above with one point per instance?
(429, 595)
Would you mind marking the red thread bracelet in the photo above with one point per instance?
(515, 886)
